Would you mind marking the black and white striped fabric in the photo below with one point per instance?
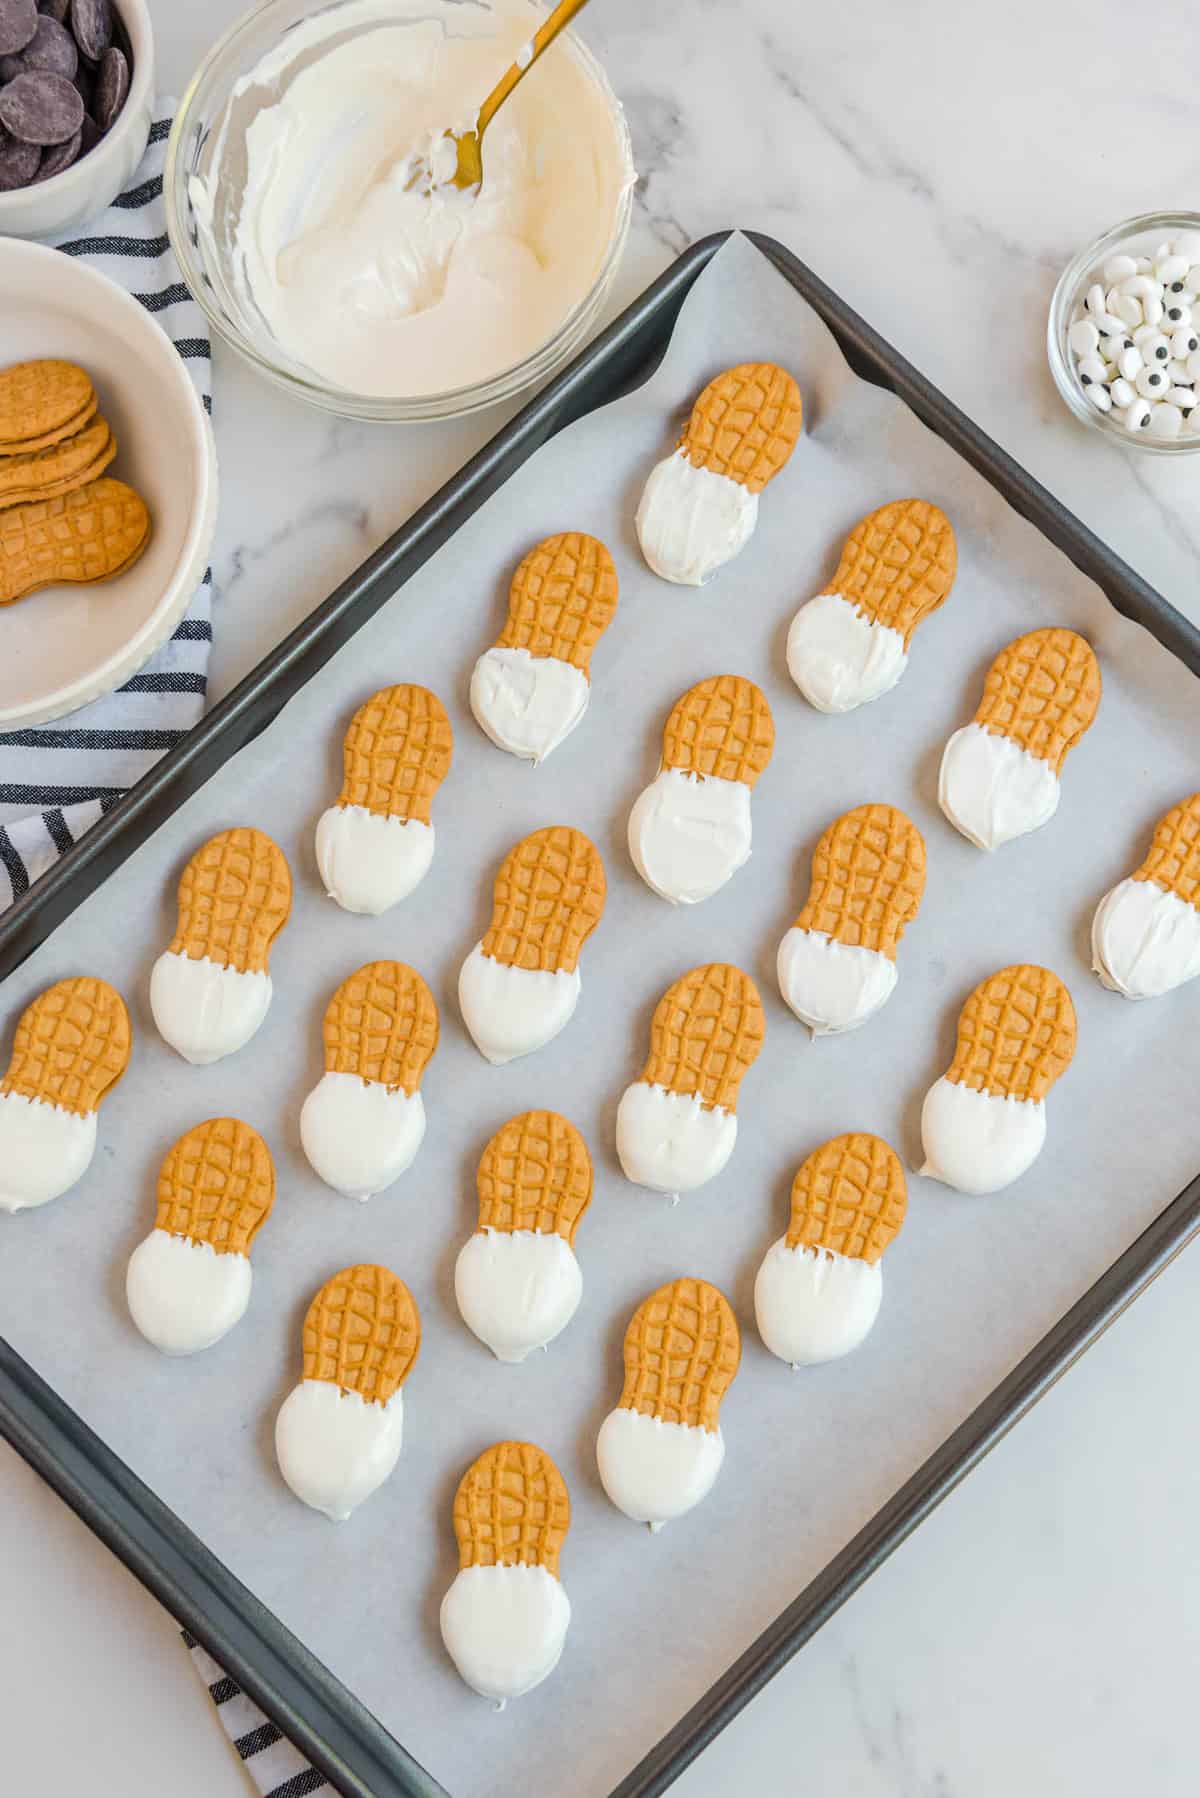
(277, 1769)
(57, 779)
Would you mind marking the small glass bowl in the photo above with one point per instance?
(1135, 237)
(192, 145)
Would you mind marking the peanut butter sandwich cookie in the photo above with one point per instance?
(531, 688)
(60, 522)
(819, 1288)
(1146, 931)
(375, 843)
(211, 989)
(700, 505)
(660, 1451)
(837, 963)
(505, 1618)
(984, 1122)
(850, 645)
(690, 830)
(1000, 773)
(520, 985)
(71, 1047)
(43, 403)
(188, 1283)
(338, 1434)
(363, 1122)
(516, 1279)
(677, 1123)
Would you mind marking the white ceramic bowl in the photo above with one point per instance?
(64, 646)
(92, 183)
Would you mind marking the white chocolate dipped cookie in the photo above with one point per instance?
(531, 688)
(516, 1280)
(188, 1283)
(375, 843)
(700, 505)
(850, 645)
(819, 1288)
(660, 1451)
(984, 1122)
(1146, 931)
(72, 1045)
(339, 1432)
(689, 831)
(363, 1122)
(520, 984)
(211, 989)
(1000, 773)
(504, 1620)
(677, 1123)
(837, 963)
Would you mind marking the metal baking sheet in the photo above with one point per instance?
(971, 1285)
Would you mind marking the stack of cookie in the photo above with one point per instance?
(59, 520)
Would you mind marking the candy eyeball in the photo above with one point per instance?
(1133, 343)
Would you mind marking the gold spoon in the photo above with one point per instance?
(469, 171)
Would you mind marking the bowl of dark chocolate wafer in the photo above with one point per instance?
(76, 93)
(108, 485)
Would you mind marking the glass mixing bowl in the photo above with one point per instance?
(204, 255)
(1139, 236)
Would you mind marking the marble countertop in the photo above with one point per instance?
(938, 166)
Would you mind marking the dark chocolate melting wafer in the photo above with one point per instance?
(39, 108)
(59, 157)
(55, 9)
(18, 22)
(18, 163)
(51, 47)
(92, 26)
(112, 87)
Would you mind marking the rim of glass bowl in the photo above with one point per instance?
(1071, 285)
(455, 402)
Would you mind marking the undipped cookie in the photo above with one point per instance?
(41, 403)
(504, 1619)
(520, 985)
(837, 963)
(76, 538)
(531, 688)
(188, 1283)
(59, 468)
(516, 1279)
(72, 1046)
(661, 1450)
(210, 990)
(700, 505)
(984, 1122)
(819, 1288)
(690, 831)
(375, 843)
(677, 1123)
(338, 1434)
(363, 1122)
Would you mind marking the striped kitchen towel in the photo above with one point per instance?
(277, 1769)
(57, 779)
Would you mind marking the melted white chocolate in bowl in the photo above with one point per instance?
(379, 288)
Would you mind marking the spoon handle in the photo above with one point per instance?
(559, 19)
